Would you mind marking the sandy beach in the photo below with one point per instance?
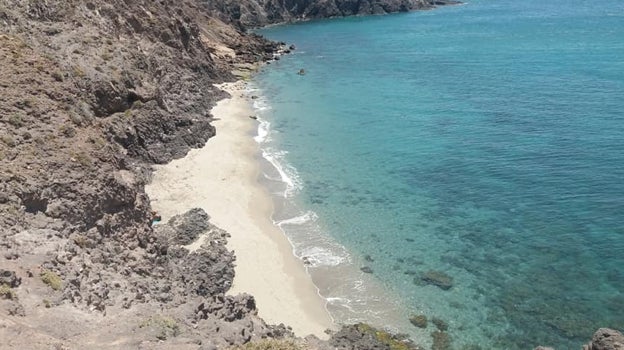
(222, 178)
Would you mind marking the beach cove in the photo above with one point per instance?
(222, 179)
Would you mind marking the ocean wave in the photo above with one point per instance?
(263, 131)
(304, 218)
(317, 256)
(288, 174)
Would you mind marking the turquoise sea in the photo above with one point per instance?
(483, 141)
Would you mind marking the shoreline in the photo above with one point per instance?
(222, 179)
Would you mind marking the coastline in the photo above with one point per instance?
(222, 179)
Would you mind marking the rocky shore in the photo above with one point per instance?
(92, 94)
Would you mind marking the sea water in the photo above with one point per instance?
(483, 141)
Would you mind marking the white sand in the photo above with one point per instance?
(222, 178)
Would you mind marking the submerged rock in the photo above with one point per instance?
(419, 321)
(366, 269)
(440, 324)
(437, 278)
(441, 341)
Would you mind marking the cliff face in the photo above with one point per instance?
(254, 13)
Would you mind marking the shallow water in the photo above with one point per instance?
(485, 141)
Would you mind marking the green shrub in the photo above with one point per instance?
(166, 326)
(16, 120)
(7, 293)
(270, 344)
(51, 279)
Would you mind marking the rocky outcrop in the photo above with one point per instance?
(606, 339)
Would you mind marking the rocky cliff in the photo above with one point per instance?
(254, 13)
(93, 92)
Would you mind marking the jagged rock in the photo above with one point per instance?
(419, 321)
(189, 226)
(437, 278)
(606, 339)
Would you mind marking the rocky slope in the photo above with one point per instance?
(91, 94)
(255, 13)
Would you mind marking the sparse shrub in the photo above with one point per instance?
(270, 344)
(67, 130)
(107, 56)
(29, 102)
(16, 120)
(81, 241)
(79, 72)
(51, 279)
(8, 140)
(7, 293)
(58, 76)
(76, 119)
(83, 159)
(166, 326)
(47, 303)
(97, 141)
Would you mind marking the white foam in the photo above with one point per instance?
(263, 131)
(304, 218)
(288, 174)
(317, 256)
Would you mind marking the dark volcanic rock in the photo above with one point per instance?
(9, 278)
(437, 278)
(606, 339)
(189, 226)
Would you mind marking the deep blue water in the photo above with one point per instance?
(485, 141)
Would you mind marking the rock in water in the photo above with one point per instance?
(437, 278)
(440, 324)
(441, 341)
(366, 269)
(606, 339)
(419, 321)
